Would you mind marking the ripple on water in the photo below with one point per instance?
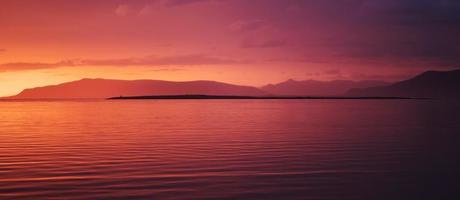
(247, 149)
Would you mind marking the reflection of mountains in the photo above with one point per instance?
(431, 84)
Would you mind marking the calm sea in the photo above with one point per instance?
(230, 149)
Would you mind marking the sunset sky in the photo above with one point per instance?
(250, 42)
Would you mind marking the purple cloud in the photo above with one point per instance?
(264, 44)
(173, 3)
(247, 25)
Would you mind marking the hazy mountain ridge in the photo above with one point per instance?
(430, 84)
(319, 88)
(104, 88)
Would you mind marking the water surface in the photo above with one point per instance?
(229, 149)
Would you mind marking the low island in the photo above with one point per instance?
(242, 97)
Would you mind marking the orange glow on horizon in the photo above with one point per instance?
(228, 41)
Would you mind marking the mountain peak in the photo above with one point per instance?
(429, 84)
(105, 88)
(293, 87)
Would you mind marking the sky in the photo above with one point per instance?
(249, 42)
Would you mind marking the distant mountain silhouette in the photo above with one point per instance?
(318, 88)
(430, 84)
(104, 88)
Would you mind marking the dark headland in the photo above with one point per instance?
(241, 97)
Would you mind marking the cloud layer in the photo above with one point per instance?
(292, 37)
(152, 60)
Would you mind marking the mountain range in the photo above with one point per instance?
(104, 88)
(430, 84)
(318, 88)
